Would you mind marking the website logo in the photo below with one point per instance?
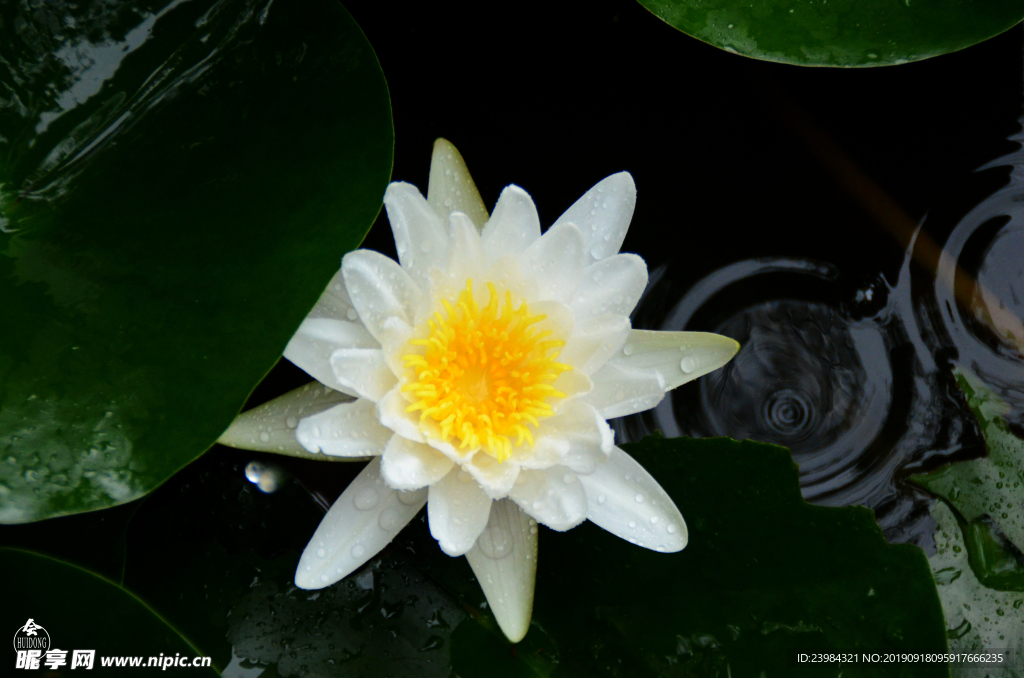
(31, 636)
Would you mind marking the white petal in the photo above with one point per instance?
(612, 285)
(547, 450)
(603, 215)
(451, 188)
(270, 427)
(678, 357)
(420, 236)
(408, 465)
(509, 273)
(557, 318)
(590, 439)
(311, 346)
(556, 262)
(624, 499)
(514, 226)
(573, 384)
(335, 303)
(594, 341)
(363, 371)
(619, 391)
(504, 561)
(380, 289)
(465, 253)
(457, 511)
(346, 430)
(495, 478)
(366, 517)
(553, 496)
(391, 411)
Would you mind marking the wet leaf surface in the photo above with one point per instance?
(178, 181)
(841, 32)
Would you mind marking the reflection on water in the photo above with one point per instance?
(859, 386)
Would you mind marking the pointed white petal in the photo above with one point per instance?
(495, 478)
(619, 391)
(346, 430)
(548, 450)
(380, 289)
(678, 357)
(573, 384)
(603, 215)
(363, 371)
(270, 427)
(451, 188)
(590, 439)
(366, 517)
(624, 499)
(335, 303)
(557, 318)
(509, 273)
(408, 465)
(391, 411)
(457, 511)
(553, 496)
(311, 346)
(612, 285)
(556, 262)
(594, 341)
(465, 253)
(504, 561)
(514, 226)
(420, 236)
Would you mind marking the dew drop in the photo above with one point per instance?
(324, 578)
(351, 314)
(291, 422)
(358, 551)
(495, 543)
(639, 498)
(366, 499)
(264, 437)
(388, 520)
(687, 364)
(601, 498)
(321, 553)
(632, 524)
(671, 528)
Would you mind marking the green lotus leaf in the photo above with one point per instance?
(839, 32)
(178, 181)
(81, 611)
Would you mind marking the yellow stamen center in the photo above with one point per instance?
(485, 376)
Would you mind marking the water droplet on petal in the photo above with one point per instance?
(264, 437)
(358, 551)
(321, 553)
(366, 499)
(291, 422)
(687, 364)
(639, 498)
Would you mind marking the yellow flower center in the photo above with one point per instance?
(486, 374)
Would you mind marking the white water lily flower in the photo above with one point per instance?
(483, 370)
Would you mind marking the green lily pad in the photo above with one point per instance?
(765, 576)
(839, 32)
(992, 486)
(178, 182)
(979, 617)
(81, 611)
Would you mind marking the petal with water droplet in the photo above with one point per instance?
(513, 227)
(677, 357)
(351, 535)
(612, 285)
(465, 253)
(346, 430)
(504, 560)
(419, 231)
(457, 511)
(603, 215)
(311, 346)
(638, 509)
(450, 187)
(380, 289)
(391, 411)
(496, 478)
(363, 371)
(545, 495)
(270, 427)
(408, 465)
(556, 261)
(619, 391)
(594, 341)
